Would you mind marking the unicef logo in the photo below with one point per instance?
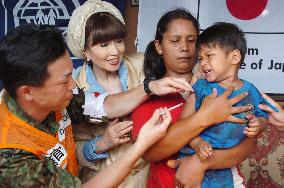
(51, 12)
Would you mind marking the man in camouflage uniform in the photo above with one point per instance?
(36, 72)
(37, 148)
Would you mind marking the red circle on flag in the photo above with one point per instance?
(246, 9)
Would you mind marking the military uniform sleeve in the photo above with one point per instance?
(19, 168)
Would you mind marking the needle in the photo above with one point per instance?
(172, 108)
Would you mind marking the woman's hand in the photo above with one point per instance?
(218, 109)
(115, 134)
(169, 85)
(275, 118)
(190, 172)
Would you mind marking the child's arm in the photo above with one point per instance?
(202, 148)
(192, 169)
(189, 106)
(256, 125)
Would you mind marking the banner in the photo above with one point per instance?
(261, 20)
(52, 12)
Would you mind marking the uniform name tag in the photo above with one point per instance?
(57, 155)
(63, 123)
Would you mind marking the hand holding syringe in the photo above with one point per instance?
(171, 108)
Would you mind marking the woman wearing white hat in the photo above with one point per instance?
(113, 87)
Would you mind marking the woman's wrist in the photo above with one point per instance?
(102, 146)
(90, 150)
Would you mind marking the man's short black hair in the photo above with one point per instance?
(25, 53)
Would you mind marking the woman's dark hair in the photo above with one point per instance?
(103, 27)
(154, 66)
(25, 53)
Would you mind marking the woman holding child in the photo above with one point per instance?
(222, 48)
(173, 53)
(110, 84)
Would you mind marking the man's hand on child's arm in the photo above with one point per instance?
(256, 125)
(202, 148)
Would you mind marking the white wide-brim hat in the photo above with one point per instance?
(77, 23)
